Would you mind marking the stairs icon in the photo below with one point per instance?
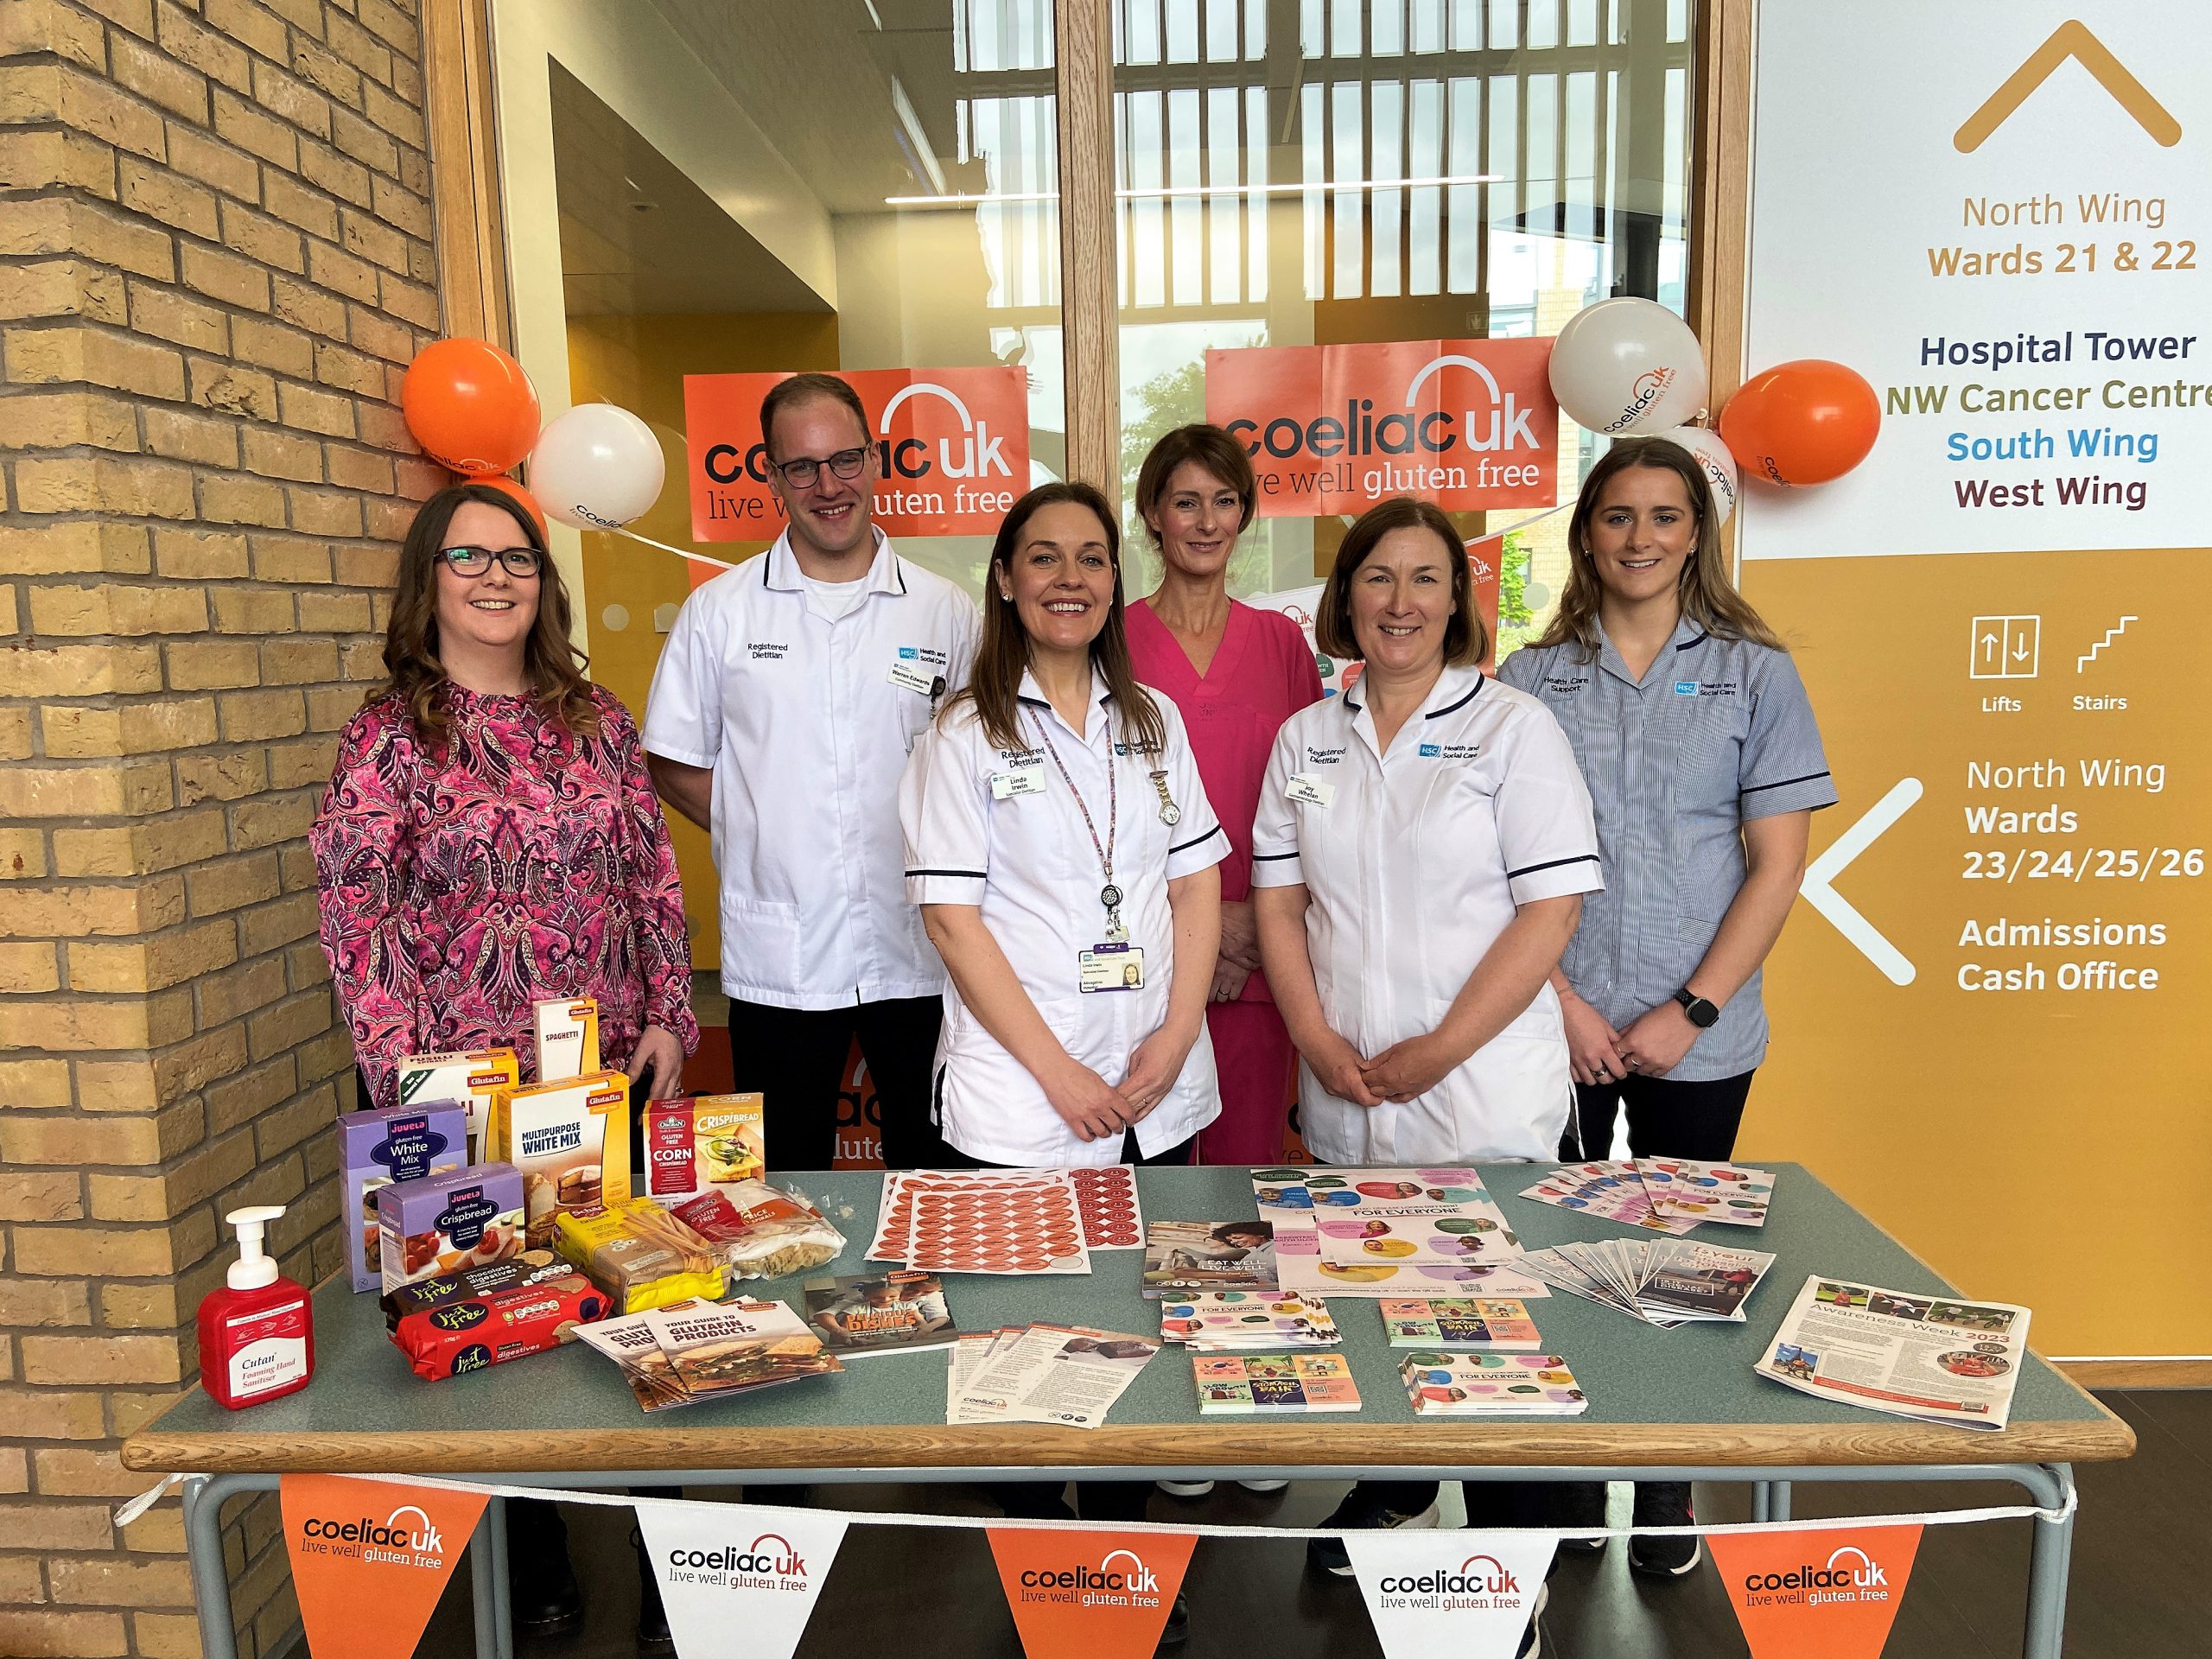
(2083, 662)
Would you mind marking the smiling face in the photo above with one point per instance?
(1196, 520)
(1061, 578)
(832, 516)
(1642, 534)
(1401, 601)
(490, 614)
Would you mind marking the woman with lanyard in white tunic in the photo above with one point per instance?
(1423, 843)
(1062, 851)
(1694, 733)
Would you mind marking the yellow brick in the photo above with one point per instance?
(233, 500)
(207, 158)
(167, 314)
(207, 440)
(22, 855)
(27, 968)
(74, 352)
(256, 717)
(64, 548)
(102, 1359)
(265, 822)
(14, 723)
(294, 764)
(233, 389)
(119, 1252)
(213, 664)
(163, 1636)
(118, 608)
(291, 559)
(56, 420)
(63, 287)
(191, 1180)
(288, 1023)
(253, 610)
(130, 1410)
(214, 889)
(298, 661)
(133, 728)
(147, 489)
(161, 195)
(39, 1301)
(124, 1022)
(130, 790)
(156, 963)
(85, 671)
(273, 346)
(325, 513)
(83, 1471)
(230, 995)
(33, 1083)
(194, 1064)
(73, 1635)
(41, 1195)
(197, 554)
(33, 1413)
(224, 775)
(161, 843)
(224, 276)
(119, 910)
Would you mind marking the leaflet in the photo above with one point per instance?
(1491, 1385)
(1664, 1282)
(1181, 1257)
(1609, 1192)
(1939, 1360)
(1433, 1193)
(1459, 1322)
(1300, 1269)
(697, 1351)
(886, 1313)
(1243, 1320)
(1270, 1385)
(1732, 1195)
(1052, 1374)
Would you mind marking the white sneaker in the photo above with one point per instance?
(1185, 1487)
(1263, 1485)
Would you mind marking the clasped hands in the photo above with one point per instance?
(1095, 1109)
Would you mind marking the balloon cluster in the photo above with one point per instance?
(1631, 367)
(474, 412)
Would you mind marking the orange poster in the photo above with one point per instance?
(1817, 1595)
(1081, 1594)
(952, 446)
(1468, 424)
(369, 1559)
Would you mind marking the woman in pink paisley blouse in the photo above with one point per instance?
(490, 838)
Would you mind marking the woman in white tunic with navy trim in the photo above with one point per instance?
(1423, 842)
(1062, 851)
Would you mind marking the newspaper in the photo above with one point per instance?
(1941, 1359)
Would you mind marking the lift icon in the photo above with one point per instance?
(2004, 647)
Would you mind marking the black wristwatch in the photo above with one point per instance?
(1702, 1013)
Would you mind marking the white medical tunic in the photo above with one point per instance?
(1021, 853)
(806, 706)
(1412, 862)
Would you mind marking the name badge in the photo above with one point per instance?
(1022, 780)
(1111, 967)
(1304, 787)
(915, 679)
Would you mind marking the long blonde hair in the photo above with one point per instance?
(1708, 597)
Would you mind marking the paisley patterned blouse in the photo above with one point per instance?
(524, 864)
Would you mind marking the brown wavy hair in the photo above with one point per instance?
(1213, 449)
(995, 683)
(554, 666)
(1465, 640)
(1708, 597)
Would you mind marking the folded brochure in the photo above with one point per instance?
(896, 1312)
(697, 1351)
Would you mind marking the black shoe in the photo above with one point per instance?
(1176, 1631)
(1359, 1512)
(1577, 1503)
(1532, 1639)
(1664, 1503)
(653, 1634)
(543, 1595)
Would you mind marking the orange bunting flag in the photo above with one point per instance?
(1815, 1595)
(370, 1558)
(1085, 1594)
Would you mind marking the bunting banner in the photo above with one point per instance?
(1081, 1592)
(1467, 1593)
(1801, 1594)
(730, 1568)
(370, 1559)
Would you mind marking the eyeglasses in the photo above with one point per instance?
(801, 472)
(475, 561)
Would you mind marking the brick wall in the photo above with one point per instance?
(215, 259)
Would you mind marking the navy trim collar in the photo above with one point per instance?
(1453, 708)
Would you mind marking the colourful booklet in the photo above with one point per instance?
(1243, 1320)
(883, 1313)
(1180, 1256)
(1491, 1385)
(1459, 1322)
(1245, 1384)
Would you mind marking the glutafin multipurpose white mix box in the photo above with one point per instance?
(571, 1142)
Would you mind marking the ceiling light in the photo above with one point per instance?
(1159, 193)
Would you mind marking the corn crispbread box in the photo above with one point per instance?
(571, 1143)
(708, 1141)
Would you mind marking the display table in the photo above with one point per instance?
(1680, 1404)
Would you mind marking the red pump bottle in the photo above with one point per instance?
(257, 1335)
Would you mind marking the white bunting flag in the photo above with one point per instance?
(1465, 1593)
(728, 1568)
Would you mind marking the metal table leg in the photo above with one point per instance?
(210, 1581)
(1762, 1500)
(481, 1579)
(2050, 1558)
(1777, 1504)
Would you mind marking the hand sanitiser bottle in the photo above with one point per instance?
(257, 1336)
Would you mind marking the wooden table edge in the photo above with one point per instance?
(1272, 1445)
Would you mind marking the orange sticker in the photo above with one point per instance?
(952, 446)
(1465, 423)
(1815, 1595)
(369, 1559)
(1098, 1595)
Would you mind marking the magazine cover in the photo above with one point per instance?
(1942, 1359)
(1190, 1256)
(886, 1313)
(1245, 1384)
(1458, 1322)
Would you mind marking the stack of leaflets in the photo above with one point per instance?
(1937, 1358)
(1042, 1374)
(1458, 1323)
(697, 1351)
(890, 1314)
(1243, 1321)
(1491, 1385)
(1242, 1385)
(1184, 1257)
(1390, 1232)
(1661, 1195)
(1664, 1282)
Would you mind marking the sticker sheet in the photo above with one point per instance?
(1104, 1203)
(1033, 1227)
(1107, 1198)
(1732, 1195)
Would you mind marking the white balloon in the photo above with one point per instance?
(597, 467)
(1712, 454)
(1628, 365)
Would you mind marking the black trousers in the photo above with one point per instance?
(1666, 1118)
(796, 1059)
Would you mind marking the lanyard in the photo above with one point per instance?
(1108, 895)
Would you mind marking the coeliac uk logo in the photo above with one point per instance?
(406, 1537)
(770, 1561)
(1120, 1580)
(1851, 1575)
(1479, 1581)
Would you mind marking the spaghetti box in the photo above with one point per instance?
(444, 1223)
(400, 1143)
(568, 1037)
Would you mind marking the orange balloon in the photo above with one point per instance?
(470, 406)
(1801, 422)
(508, 486)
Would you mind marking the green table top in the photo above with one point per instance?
(1686, 1396)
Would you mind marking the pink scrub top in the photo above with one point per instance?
(1261, 675)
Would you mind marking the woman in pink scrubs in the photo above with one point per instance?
(1237, 674)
